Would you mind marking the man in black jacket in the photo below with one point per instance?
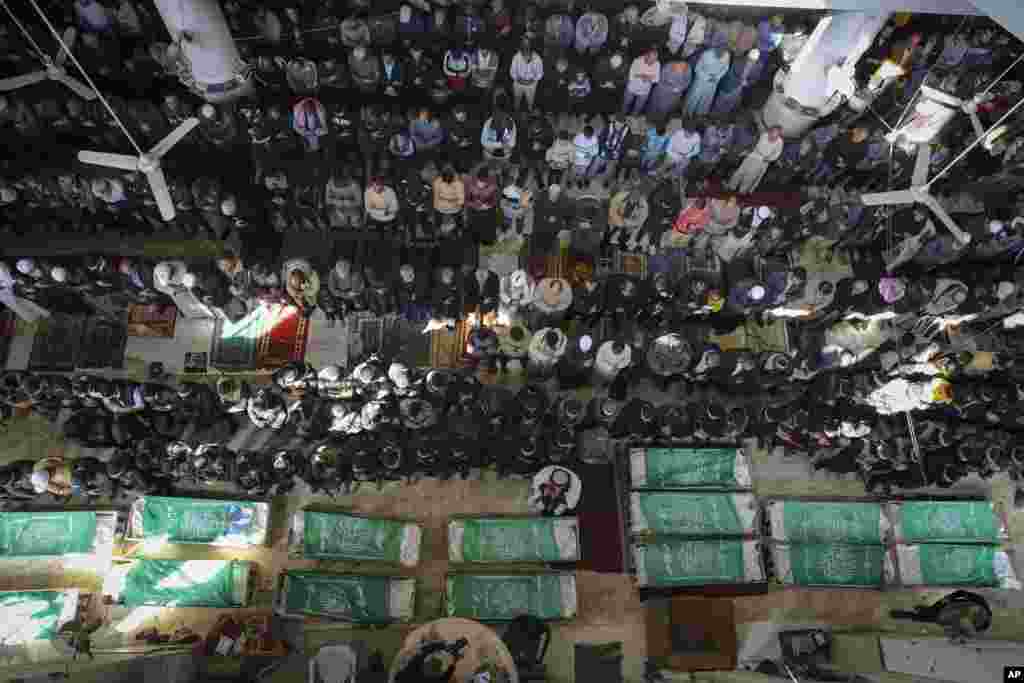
(575, 368)
(463, 144)
(550, 213)
(540, 135)
(426, 665)
(609, 80)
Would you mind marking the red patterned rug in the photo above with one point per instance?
(778, 199)
(284, 337)
(600, 515)
(8, 328)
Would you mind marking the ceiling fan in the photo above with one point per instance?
(146, 162)
(53, 67)
(931, 113)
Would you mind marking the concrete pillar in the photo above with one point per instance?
(218, 72)
(806, 93)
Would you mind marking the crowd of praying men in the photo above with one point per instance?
(478, 126)
(939, 349)
(435, 124)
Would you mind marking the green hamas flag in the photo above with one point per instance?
(185, 583)
(680, 562)
(362, 599)
(688, 514)
(26, 616)
(833, 565)
(36, 534)
(341, 536)
(682, 467)
(502, 598)
(196, 520)
(509, 540)
(827, 522)
(952, 521)
(957, 565)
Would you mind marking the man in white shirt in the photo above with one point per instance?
(643, 74)
(677, 32)
(169, 277)
(682, 148)
(586, 147)
(612, 358)
(173, 279)
(381, 202)
(526, 71)
(516, 294)
(748, 176)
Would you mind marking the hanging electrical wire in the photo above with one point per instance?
(86, 76)
(977, 141)
(892, 144)
(24, 31)
(1000, 76)
(912, 431)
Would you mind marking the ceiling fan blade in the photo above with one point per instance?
(69, 40)
(164, 146)
(941, 97)
(940, 213)
(921, 165)
(81, 89)
(15, 82)
(121, 161)
(161, 193)
(894, 197)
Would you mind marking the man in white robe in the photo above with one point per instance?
(768, 149)
(516, 294)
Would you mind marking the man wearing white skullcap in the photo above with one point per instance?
(52, 475)
(546, 348)
(613, 357)
(109, 190)
(40, 481)
(173, 279)
(168, 277)
(27, 267)
(21, 307)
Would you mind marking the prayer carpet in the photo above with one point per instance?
(404, 340)
(600, 515)
(56, 344)
(448, 347)
(283, 338)
(630, 264)
(103, 343)
(8, 328)
(234, 344)
(152, 320)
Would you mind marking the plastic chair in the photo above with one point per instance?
(527, 638)
(345, 654)
(598, 662)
